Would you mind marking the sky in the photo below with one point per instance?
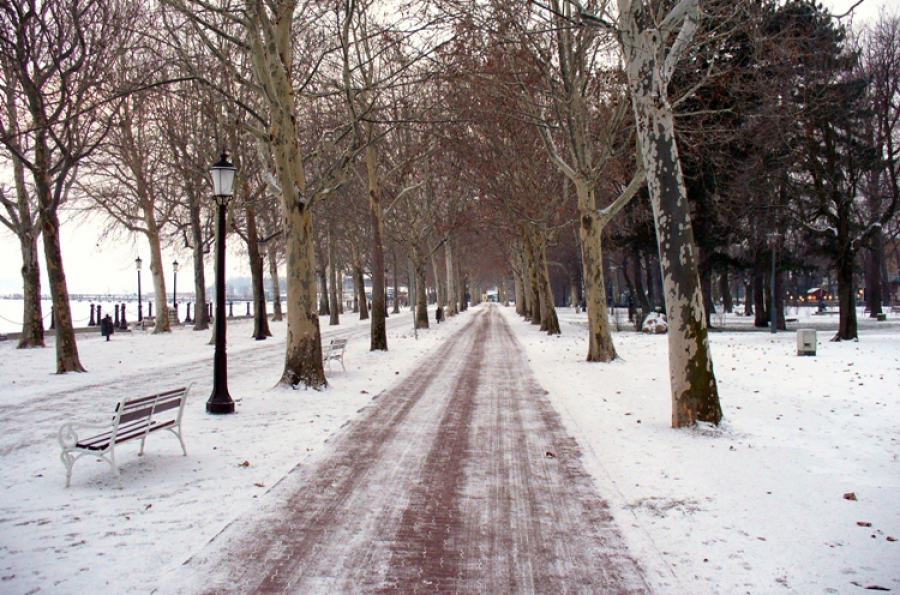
(94, 266)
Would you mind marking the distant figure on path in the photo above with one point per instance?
(106, 327)
(439, 313)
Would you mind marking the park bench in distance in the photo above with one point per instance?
(334, 350)
(133, 418)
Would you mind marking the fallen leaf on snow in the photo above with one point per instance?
(244, 464)
(864, 523)
(549, 455)
(850, 496)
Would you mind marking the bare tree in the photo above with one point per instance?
(23, 219)
(57, 54)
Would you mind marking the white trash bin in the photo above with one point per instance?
(806, 341)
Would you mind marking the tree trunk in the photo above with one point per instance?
(706, 285)
(519, 289)
(549, 320)
(452, 291)
(67, 359)
(873, 267)
(379, 306)
(532, 268)
(201, 316)
(359, 284)
(32, 316)
(725, 290)
(322, 272)
(693, 383)
(421, 272)
(335, 308)
(159, 280)
(847, 327)
(303, 357)
(396, 308)
(600, 343)
(762, 317)
(643, 304)
(277, 314)
(260, 315)
(439, 282)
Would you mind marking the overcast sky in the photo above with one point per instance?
(94, 267)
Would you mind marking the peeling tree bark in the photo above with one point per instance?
(648, 67)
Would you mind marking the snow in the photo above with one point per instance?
(754, 506)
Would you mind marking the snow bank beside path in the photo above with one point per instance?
(93, 537)
(756, 505)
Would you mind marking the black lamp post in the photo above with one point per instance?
(138, 262)
(175, 287)
(223, 183)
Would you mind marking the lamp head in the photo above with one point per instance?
(222, 174)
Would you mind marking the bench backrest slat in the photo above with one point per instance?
(144, 408)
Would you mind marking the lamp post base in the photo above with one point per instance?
(219, 407)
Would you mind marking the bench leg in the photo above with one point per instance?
(68, 460)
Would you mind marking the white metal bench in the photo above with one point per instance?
(335, 351)
(133, 418)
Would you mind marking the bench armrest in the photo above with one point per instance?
(68, 437)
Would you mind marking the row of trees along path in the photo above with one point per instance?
(471, 136)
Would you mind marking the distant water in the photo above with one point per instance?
(11, 312)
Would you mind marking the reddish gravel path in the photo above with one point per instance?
(445, 485)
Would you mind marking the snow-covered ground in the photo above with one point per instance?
(756, 506)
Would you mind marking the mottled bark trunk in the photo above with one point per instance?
(335, 308)
(847, 327)
(600, 343)
(303, 358)
(257, 277)
(693, 383)
(201, 316)
(277, 314)
(32, 315)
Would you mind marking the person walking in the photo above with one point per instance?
(438, 314)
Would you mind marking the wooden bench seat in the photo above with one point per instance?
(133, 418)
